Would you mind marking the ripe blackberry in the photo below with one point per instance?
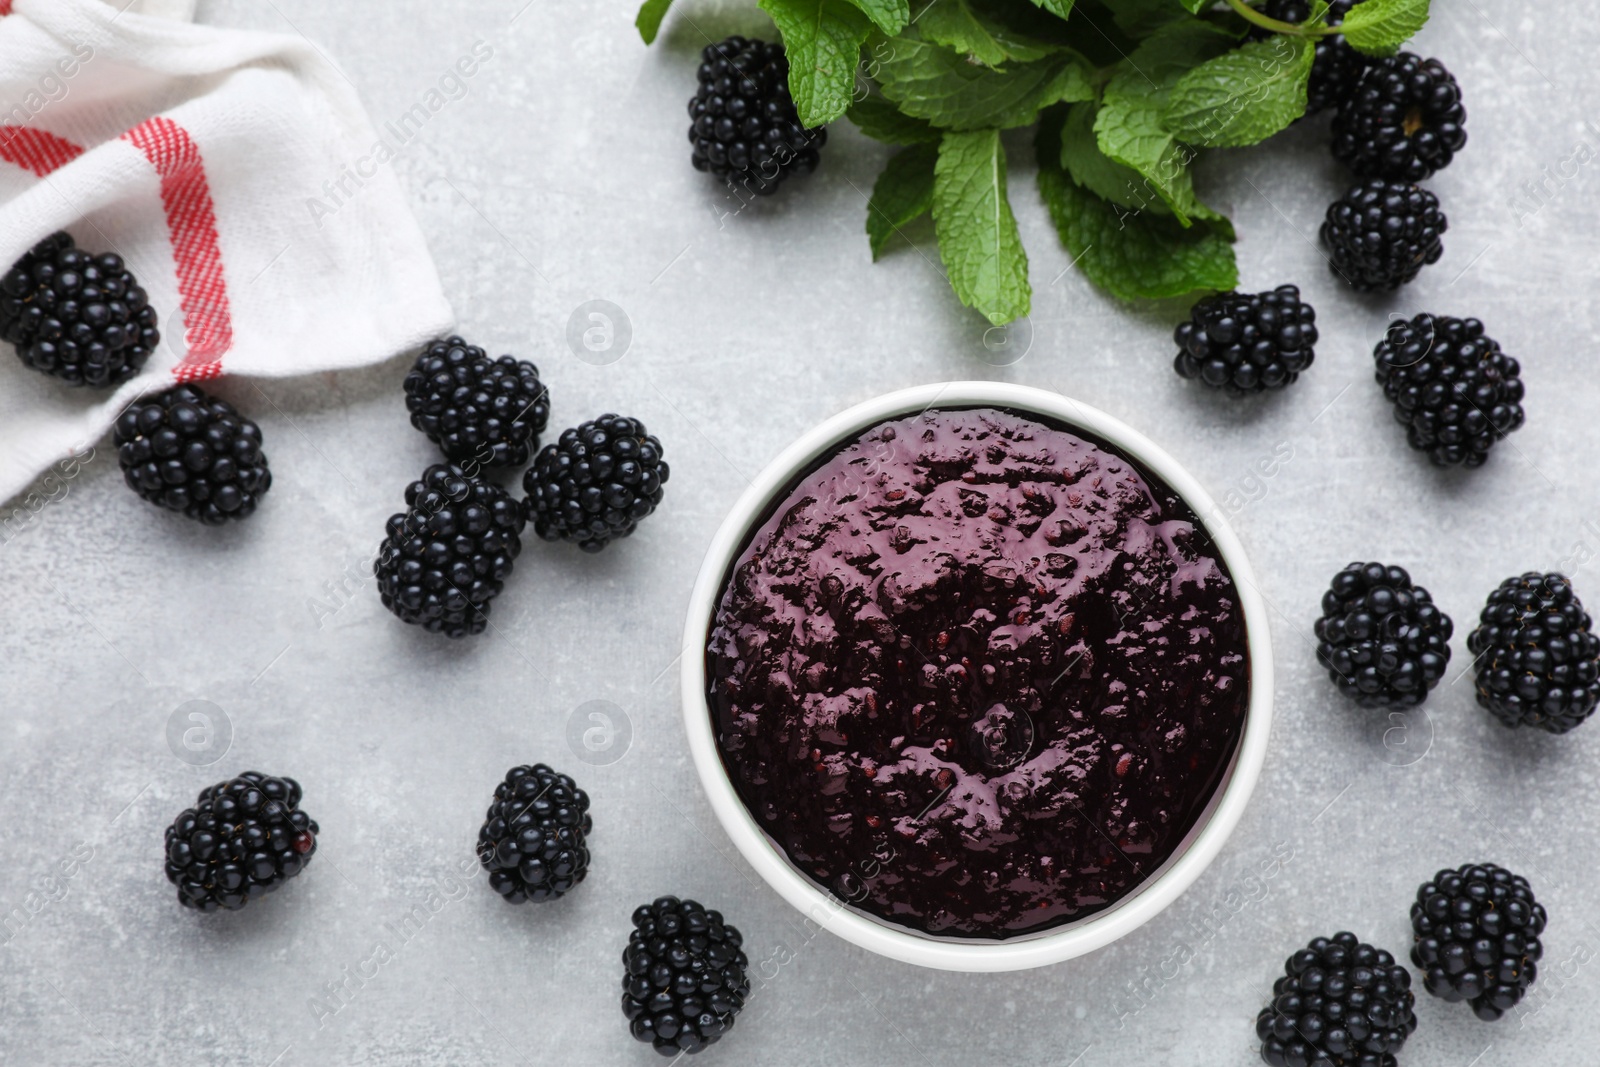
(1340, 1003)
(1382, 639)
(596, 482)
(189, 451)
(685, 979)
(81, 318)
(1453, 389)
(1381, 234)
(1337, 66)
(479, 411)
(242, 839)
(1477, 937)
(1247, 343)
(1537, 662)
(448, 555)
(1404, 121)
(532, 841)
(744, 127)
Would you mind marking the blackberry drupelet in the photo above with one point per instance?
(242, 839)
(479, 411)
(1538, 663)
(1382, 639)
(532, 841)
(596, 482)
(1247, 343)
(1477, 937)
(1452, 388)
(448, 555)
(1404, 122)
(81, 318)
(1340, 1004)
(685, 978)
(189, 451)
(1381, 234)
(744, 126)
(1337, 66)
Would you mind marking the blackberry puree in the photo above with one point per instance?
(978, 675)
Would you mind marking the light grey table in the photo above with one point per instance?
(563, 177)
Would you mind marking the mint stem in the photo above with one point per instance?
(1250, 14)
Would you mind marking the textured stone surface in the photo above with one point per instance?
(562, 177)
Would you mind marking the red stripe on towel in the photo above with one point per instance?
(192, 225)
(35, 150)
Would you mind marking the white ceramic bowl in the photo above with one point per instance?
(899, 942)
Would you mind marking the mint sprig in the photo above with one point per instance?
(978, 238)
(1126, 96)
(1377, 27)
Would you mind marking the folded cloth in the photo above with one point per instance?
(202, 157)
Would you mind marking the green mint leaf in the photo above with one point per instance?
(1243, 97)
(969, 27)
(1139, 18)
(651, 12)
(823, 39)
(1150, 73)
(1194, 7)
(1098, 172)
(1131, 254)
(1129, 128)
(948, 90)
(1136, 138)
(902, 194)
(876, 116)
(1380, 27)
(978, 238)
(890, 16)
(1059, 8)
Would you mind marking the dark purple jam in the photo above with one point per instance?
(978, 675)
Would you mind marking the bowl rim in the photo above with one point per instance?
(1157, 891)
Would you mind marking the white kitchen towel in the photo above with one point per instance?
(221, 165)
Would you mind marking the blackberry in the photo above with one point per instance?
(1337, 66)
(1381, 234)
(81, 318)
(1340, 1003)
(1477, 937)
(1382, 639)
(532, 841)
(744, 126)
(596, 482)
(1452, 388)
(1404, 121)
(1537, 662)
(479, 411)
(1246, 343)
(189, 451)
(448, 554)
(242, 839)
(685, 978)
